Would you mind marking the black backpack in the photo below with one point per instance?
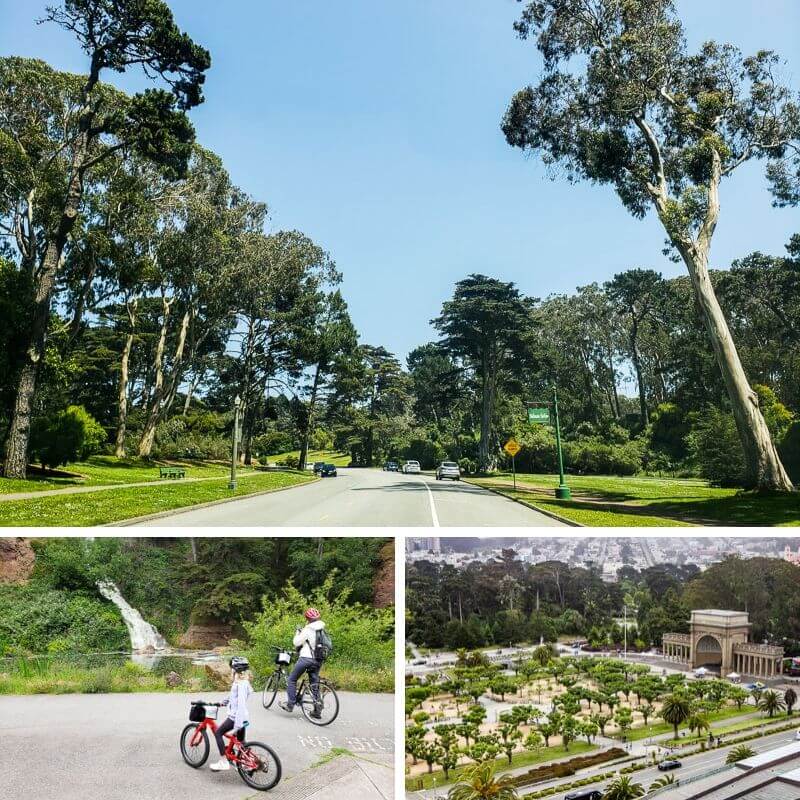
(323, 646)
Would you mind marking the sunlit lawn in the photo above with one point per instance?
(600, 500)
(114, 505)
(328, 456)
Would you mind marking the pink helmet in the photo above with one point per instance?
(312, 615)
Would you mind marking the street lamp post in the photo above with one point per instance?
(237, 404)
(562, 491)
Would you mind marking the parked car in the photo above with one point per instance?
(669, 764)
(797, 735)
(328, 471)
(318, 465)
(411, 468)
(448, 469)
(390, 466)
(584, 794)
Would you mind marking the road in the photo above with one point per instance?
(125, 746)
(368, 497)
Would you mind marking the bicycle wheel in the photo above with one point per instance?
(259, 766)
(326, 710)
(270, 689)
(194, 753)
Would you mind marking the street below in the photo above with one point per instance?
(368, 497)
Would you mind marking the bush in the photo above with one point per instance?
(427, 452)
(789, 449)
(70, 435)
(177, 439)
(363, 637)
(668, 429)
(594, 456)
(715, 448)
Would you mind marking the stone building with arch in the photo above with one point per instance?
(721, 640)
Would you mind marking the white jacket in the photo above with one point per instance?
(306, 639)
(237, 703)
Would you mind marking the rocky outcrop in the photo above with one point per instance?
(16, 560)
(219, 675)
(205, 636)
(383, 582)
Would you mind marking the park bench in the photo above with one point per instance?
(171, 472)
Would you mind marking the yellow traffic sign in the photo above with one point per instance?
(512, 447)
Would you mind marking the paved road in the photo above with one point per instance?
(369, 497)
(125, 746)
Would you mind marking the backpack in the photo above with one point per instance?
(323, 646)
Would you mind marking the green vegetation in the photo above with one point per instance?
(113, 505)
(328, 456)
(600, 500)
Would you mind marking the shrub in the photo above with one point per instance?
(715, 448)
(363, 637)
(594, 456)
(668, 429)
(177, 439)
(426, 451)
(70, 435)
(789, 449)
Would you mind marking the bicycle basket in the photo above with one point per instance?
(283, 657)
(197, 713)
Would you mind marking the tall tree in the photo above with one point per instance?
(622, 102)
(98, 122)
(486, 326)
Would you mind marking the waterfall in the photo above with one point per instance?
(143, 635)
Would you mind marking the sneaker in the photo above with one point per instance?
(221, 765)
(286, 706)
(316, 714)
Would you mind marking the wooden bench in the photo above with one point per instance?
(171, 472)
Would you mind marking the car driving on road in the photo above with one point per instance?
(584, 794)
(318, 465)
(671, 763)
(390, 466)
(328, 471)
(448, 469)
(411, 468)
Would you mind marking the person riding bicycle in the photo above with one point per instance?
(305, 642)
(238, 718)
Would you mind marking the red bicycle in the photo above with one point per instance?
(258, 764)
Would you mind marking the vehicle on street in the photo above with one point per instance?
(584, 794)
(797, 735)
(411, 468)
(328, 471)
(669, 764)
(419, 662)
(448, 469)
(318, 465)
(390, 466)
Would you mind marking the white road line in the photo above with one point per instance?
(434, 515)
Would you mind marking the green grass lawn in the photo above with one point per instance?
(523, 759)
(659, 728)
(107, 471)
(328, 456)
(114, 505)
(599, 500)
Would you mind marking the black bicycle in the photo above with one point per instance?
(320, 710)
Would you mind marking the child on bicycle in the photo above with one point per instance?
(238, 718)
(305, 641)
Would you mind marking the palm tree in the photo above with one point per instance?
(739, 753)
(771, 702)
(479, 783)
(664, 780)
(698, 721)
(623, 788)
(676, 710)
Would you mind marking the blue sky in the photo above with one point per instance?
(373, 126)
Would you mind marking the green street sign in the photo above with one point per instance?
(539, 416)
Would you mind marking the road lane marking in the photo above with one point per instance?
(434, 515)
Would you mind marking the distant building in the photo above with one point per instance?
(792, 558)
(722, 639)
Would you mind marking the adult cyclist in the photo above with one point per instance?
(306, 640)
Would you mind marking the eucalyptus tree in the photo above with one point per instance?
(487, 327)
(56, 132)
(622, 102)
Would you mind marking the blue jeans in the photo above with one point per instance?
(303, 665)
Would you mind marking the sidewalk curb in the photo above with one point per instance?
(570, 522)
(125, 523)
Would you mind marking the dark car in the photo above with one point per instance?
(318, 465)
(328, 471)
(672, 763)
(391, 466)
(584, 794)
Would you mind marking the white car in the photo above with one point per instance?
(411, 467)
(448, 469)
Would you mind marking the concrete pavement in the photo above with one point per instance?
(368, 497)
(125, 746)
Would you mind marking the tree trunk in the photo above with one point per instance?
(309, 419)
(149, 432)
(764, 468)
(487, 403)
(122, 396)
(637, 366)
(16, 455)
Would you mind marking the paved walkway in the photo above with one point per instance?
(345, 776)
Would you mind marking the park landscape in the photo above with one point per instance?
(158, 328)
